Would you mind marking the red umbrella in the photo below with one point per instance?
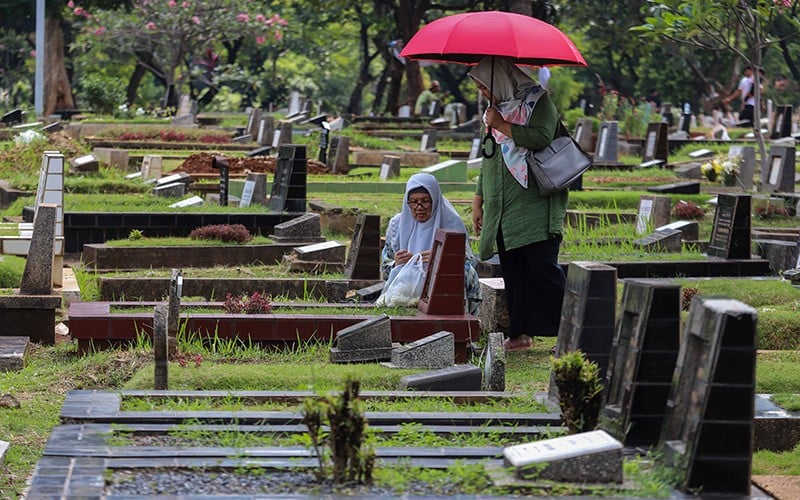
(467, 38)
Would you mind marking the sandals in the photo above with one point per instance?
(521, 343)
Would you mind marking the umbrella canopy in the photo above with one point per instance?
(466, 38)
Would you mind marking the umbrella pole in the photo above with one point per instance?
(486, 150)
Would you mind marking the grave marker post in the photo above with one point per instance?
(221, 163)
(160, 343)
(730, 234)
(363, 258)
(174, 311)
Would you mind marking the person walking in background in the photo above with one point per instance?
(426, 98)
(744, 91)
(509, 213)
(413, 230)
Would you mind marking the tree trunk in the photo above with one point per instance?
(57, 89)
(521, 7)
(408, 18)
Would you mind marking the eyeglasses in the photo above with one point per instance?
(419, 203)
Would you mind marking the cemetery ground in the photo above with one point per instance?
(223, 365)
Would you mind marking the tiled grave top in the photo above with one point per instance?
(561, 448)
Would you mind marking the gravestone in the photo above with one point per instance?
(583, 134)
(253, 121)
(84, 164)
(326, 251)
(172, 190)
(730, 234)
(296, 102)
(247, 193)
(192, 201)
(452, 378)
(363, 258)
(607, 143)
(174, 311)
(428, 141)
(390, 167)
(282, 134)
(781, 255)
(37, 278)
(431, 352)
(443, 291)
(160, 376)
(302, 229)
(289, 184)
(655, 147)
(368, 340)
(151, 167)
(262, 151)
(180, 177)
(265, 131)
(13, 117)
(492, 311)
(654, 211)
(494, 363)
(475, 148)
(687, 187)
(707, 434)
(258, 182)
(243, 139)
(586, 457)
(747, 166)
(662, 240)
(221, 163)
(777, 175)
(643, 357)
(587, 314)
(338, 154)
(14, 353)
(690, 229)
(782, 123)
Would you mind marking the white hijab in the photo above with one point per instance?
(416, 236)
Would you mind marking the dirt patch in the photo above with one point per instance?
(780, 487)
(201, 164)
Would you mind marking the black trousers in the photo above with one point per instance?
(534, 286)
(747, 114)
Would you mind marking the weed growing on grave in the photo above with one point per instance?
(652, 477)
(135, 234)
(227, 233)
(579, 391)
(344, 444)
(255, 303)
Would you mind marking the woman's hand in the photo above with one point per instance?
(426, 256)
(477, 214)
(401, 257)
(494, 119)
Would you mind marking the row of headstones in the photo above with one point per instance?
(690, 395)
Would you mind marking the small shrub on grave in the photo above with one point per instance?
(227, 233)
(686, 297)
(769, 211)
(352, 459)
(135, 234)
(579, 391)
(256, 303)
(686, 210)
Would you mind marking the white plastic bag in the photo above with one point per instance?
(406, 287)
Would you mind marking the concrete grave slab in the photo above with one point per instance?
(433, 351)
(587, 457)
(454, 378)
(326, 251)
(303, 229)
(14, 353)
(368, 340)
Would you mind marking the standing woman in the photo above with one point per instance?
(508, 211)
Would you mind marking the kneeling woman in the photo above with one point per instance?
(413, 230)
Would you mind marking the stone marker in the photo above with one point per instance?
(701, 153)
(289, 185)
(707, 434)
(160, 348)
(390, 167)
(606, 149)
(453, 378)
(587, 314)
(282, 134)
(369, 340)
(778, 173)
(37, 278)
(782, 123)
(690, 229)
(181, 177)
(151, 167)
(326, 251)
(253, 119)
(193, 201)
(782, 255)
(12, 117)
(86, 163)
(494, 363)
(247, 193)
(654, 211)
(434, 351)
(662, 240)
(339, 154)
(492, 311)
(172, 190)
(656, 147)
(259, 180)
(583, 134)
(730, 234)
(14, 353)
(363, 259)
(688, 187)
(265, 131)
(428, 141)
(302, 229)
(747, 167)
(174, 311)
(370, 293)
(643, 358)
(443, 291)
(586, 457)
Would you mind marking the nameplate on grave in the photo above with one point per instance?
(701, 153)
(247, 193)
(428, 142)
(654, 211)
(778, 176)
(475, 148)
(730, 234)
(560, 459)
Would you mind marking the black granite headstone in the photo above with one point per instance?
(707, 434)
(607, 138)
(643, 357)
(221, 163)
(428, 141)
(655, 147)
(782, 124)
(363, 258)
(12, 117)
(583, 134)
(777, 176)
(289, 185)
(730, 234)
